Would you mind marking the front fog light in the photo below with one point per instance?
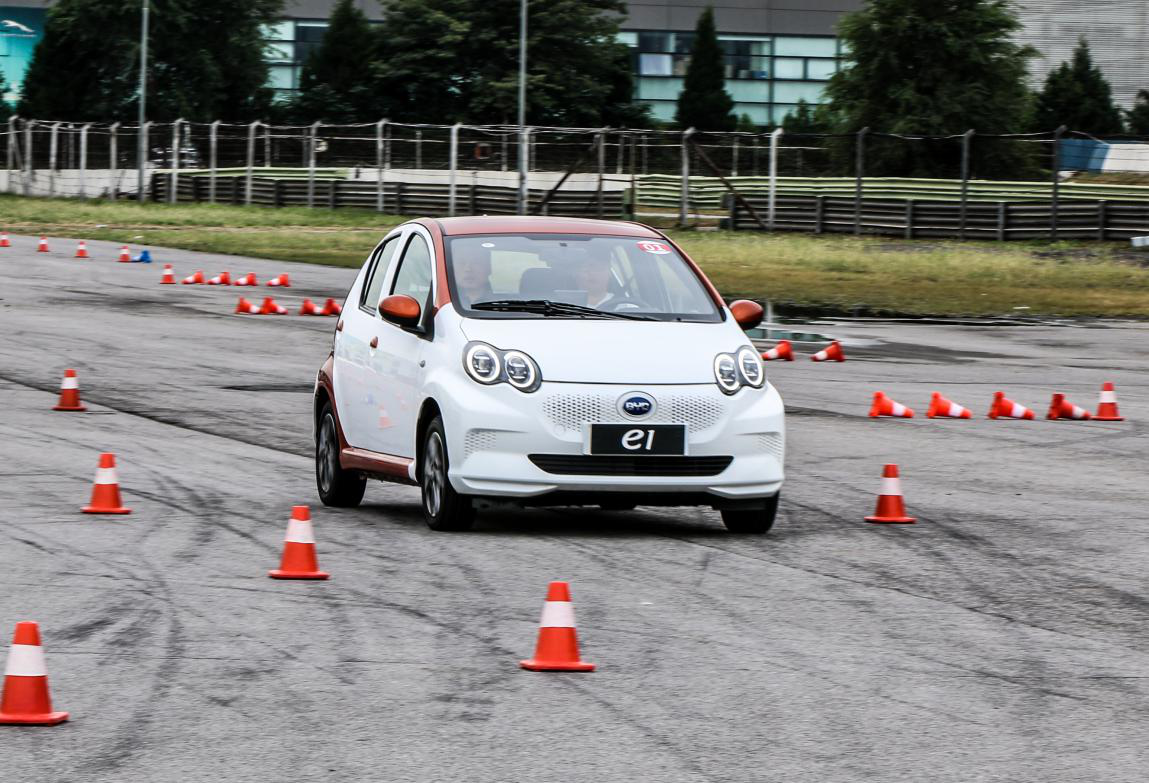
(482, 363)
(750, 366)
(726, 373)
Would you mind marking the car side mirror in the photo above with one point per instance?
(747, 314)
(402, 310)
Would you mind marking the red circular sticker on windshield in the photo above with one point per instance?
(657, 248)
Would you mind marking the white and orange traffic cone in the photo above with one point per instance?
(125, 255)
(299, 559)
(4, 239)
(891, 508)
(194, 279)
(557, 647)
(832, 353)
(169, 277)
(1061, 408)
(1005, 408)
(331, 307)
(884, 406)
(1107, 405)
(782, 351)
(223, 278)
(245, 307)
(26, 700)
(42, 245)
(308, 308)
(82, 250)
(106, 489)
(283, 281)
(270, 307)
(70, 393)
(248, 279)
(940, 407)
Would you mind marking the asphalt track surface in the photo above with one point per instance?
(1002, 638)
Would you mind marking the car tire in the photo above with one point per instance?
(758, 520)
(337, 487)
(444, 509)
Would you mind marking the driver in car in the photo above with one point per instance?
(473, 277)
(593, 275)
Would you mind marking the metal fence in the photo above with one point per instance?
(682, 176)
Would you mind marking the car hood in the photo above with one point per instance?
(612, 351)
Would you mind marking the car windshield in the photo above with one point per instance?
(574, 276)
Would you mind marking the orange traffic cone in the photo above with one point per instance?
(946, 409)
(831, 354)
(331, 307)
(891, 509)
(248, 279)
(557, 648)
(270, 307)
(1061, 408)
(125, 255)
(1107, 405)
(70, 394)
(42, 245)
(308, 308)
(1005, 408)
(223, 278)
(246, 308)
(106, 489)
(783, 351)
(26, 700)
(884, 406)
(196, 279)
(81, 250)
(169, 277)
(299, 560)
(4, 239)
(282, 281)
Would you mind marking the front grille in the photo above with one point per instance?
(589, 465)
(571, 411)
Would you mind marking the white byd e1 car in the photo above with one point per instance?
(546, 361)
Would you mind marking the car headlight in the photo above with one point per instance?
(488, 365)
(726, 373)
(750, 365)
(483, 363)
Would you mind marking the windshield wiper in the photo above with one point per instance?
(548, 308)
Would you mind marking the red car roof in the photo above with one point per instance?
(462, 226)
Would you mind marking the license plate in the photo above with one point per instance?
(637, 439)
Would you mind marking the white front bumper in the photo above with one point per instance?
(492, 430)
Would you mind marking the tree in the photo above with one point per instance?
(1077, 94)
(805, 119)
(936, 67)
(746, 124)
(336, 84)
(1137, 118)
(210, 64)
(5, 109)
(704, 103)
(457, 61)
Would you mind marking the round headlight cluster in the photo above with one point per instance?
(488, 365)
(733, 371)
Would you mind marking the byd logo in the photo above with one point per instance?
(637, 405)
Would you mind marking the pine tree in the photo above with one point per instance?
(934, 67)
(210, 64)
(1137, 118)
(804, 119)
(336, 84)
(1077, 94)
(704, 103)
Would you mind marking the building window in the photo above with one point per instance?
(654, 64)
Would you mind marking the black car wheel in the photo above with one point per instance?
(337, 487)
(443, 507)
(757, 520)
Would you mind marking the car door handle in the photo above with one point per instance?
(375, 341)
(339, 326)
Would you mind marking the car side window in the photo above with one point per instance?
(413, 277)
(373, 288)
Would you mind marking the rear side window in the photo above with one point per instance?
(373, 288)
(414, 275)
